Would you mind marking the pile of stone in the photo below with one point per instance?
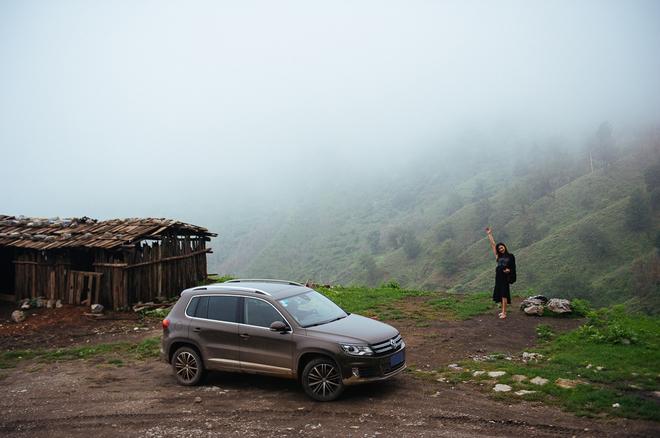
(537, 304)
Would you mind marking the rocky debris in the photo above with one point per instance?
(496, 373)
(531, 357)
(25, 304)
(534, 310)
(58, 304)
(616, 405)
(18, 316)
(524, 392)
(50, 304)
(436, 394)
(454, 367)
(484, 358)
(558, 305)
(478, 373)
(567, 383)
(501, 388)
(198, 399)
(536, 300)
(96, 308)
(537, 304)
(518, 378)
(540, 381)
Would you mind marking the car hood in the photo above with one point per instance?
(355, 328)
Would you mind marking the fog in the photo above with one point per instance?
(191, 109)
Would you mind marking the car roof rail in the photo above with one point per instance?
(220, 286)
(263, 280)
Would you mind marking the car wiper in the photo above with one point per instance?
(325, 322)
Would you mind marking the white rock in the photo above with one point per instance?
(534, 310)
(478, 373)
(454, 367)
(524, 392)
(496, 373)
(559, 305)
(600, 368)
(616, 405)
(502, 388)
(539, 381)
(518, 378)
(58, 304)
(18, 316)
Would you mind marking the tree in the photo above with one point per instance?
(373, 240)
(602, 147)
(594, 240)
(530, 233)
(449, 257)
(411, 245)
(454, 203)
(444, 231)
(372, 272)
(638, 212)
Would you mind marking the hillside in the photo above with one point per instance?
(423, 227)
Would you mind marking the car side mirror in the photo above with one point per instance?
(278, 326)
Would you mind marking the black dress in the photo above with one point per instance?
(502, 289)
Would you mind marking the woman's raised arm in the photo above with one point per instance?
(489, 232)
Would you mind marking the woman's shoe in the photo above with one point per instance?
(502, 316)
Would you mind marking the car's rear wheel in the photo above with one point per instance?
(187, 366)
(321, 379)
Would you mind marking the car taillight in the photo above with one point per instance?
(166, 324)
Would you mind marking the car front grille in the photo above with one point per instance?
(388, 345)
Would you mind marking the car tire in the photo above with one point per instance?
(322, 380)
(187, 366)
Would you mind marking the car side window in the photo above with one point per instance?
(260, 313)
(223, 308)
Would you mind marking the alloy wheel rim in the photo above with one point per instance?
(186, 366)
(323, 379)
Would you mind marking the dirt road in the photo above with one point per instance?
(94, 398)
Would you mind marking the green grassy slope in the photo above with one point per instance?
(569, 241)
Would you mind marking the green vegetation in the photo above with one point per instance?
(577, 232)
(145, 349)
(613, 359)
(382, 302)
(463, 306)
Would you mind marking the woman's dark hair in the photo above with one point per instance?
(506, 250)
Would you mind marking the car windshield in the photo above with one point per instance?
(312, 308)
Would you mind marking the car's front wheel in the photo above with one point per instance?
(321, 379)
(188, 366)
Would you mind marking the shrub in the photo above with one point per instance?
(544, 332)
(392, 284)
(580, 307)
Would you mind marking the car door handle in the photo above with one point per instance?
(244, 335)
(197, 329)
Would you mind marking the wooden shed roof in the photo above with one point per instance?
(45, 234)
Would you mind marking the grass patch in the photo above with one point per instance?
(463, 306)
(615, 357)
(145, 349)
(371, 302)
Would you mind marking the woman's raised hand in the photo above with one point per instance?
(488, 230)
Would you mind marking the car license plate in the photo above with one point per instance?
(396, 359)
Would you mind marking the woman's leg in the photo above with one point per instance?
(504, 306)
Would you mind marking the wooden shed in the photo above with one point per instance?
(115, 262)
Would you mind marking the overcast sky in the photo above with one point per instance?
(152, 108)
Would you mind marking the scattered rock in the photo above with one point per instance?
(58, 304)
(496, 373)
(589, 366)
(478, 373)
(539, 381)
(534, 310)
(502, 388)
(566, 383)
(50, 304)
(559, 305)
(25, 304)
(40, 302)
(616, 405)
(518, 378)
(97, 308)
(527, 357)
(435, 395)
(18, 316)
(600, 368)
(524, 392)
(454, 367)
(198, 399)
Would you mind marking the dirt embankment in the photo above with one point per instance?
(141, 398)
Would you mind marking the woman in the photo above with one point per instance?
(505, 273)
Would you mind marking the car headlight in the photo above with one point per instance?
(356, 350)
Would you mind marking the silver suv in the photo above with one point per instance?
(278, 328)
